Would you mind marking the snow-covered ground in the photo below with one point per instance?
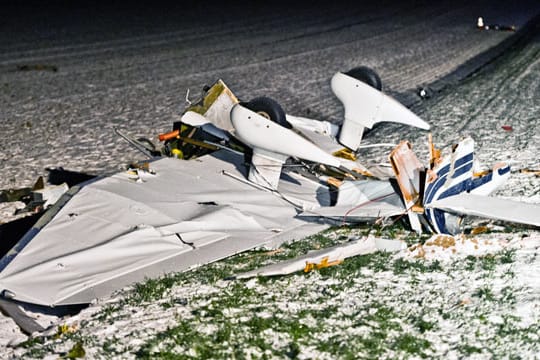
(128, 68)
(471, 296)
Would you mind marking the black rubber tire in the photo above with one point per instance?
(270, 109)
(367, 76)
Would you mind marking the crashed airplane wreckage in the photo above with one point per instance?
(248, 176)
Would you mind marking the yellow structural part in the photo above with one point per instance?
(177, 153)
(345, 154)
(323, 264)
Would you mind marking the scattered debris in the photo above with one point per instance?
(447, 247)
(247, 169)
(530, 171)
(36, 198)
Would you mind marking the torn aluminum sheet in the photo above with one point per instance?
(326, 257)
(116, 230)
(409, 171)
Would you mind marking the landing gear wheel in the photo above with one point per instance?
(367, 76)
(268, 108)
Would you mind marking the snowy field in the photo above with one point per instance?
(474, 296)
(123, 67)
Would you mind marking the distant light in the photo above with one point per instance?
(480, 22)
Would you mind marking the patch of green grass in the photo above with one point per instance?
(297, 248)
(37, 347)
(488, 262)
(412, 344)
(401, 266)
(484, 293)
(383, 316)
(395, 230)
(110, 345)
(183, 334)
(470, 263)
(507, 256)
(110, 312)
(378, 261)
(178, 340)
(153, 288)
(77, 351)
(467, 349)
(509, 327)
(422, 325)
(507, 295)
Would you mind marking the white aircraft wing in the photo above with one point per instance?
(124, 228)
(491, 208)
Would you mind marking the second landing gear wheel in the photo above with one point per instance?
(269, 109)
(366, 75)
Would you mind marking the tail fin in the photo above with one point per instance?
(365, 106)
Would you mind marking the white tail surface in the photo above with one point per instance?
(490, 207)
(365, 106)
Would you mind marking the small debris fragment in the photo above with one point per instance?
(424, 92)
(530, 171)
(274, 252)
(507, 127)
(444, 241)
(421, 252)
(465, 301)
(479, 230)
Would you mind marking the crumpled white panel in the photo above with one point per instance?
(116, 230)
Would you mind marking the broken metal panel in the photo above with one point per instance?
(408, 171)
(265, 169)
(368, 212)
(454, 174)
(362, 200)
(326, 257)
(216, 105)
(126, 228)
